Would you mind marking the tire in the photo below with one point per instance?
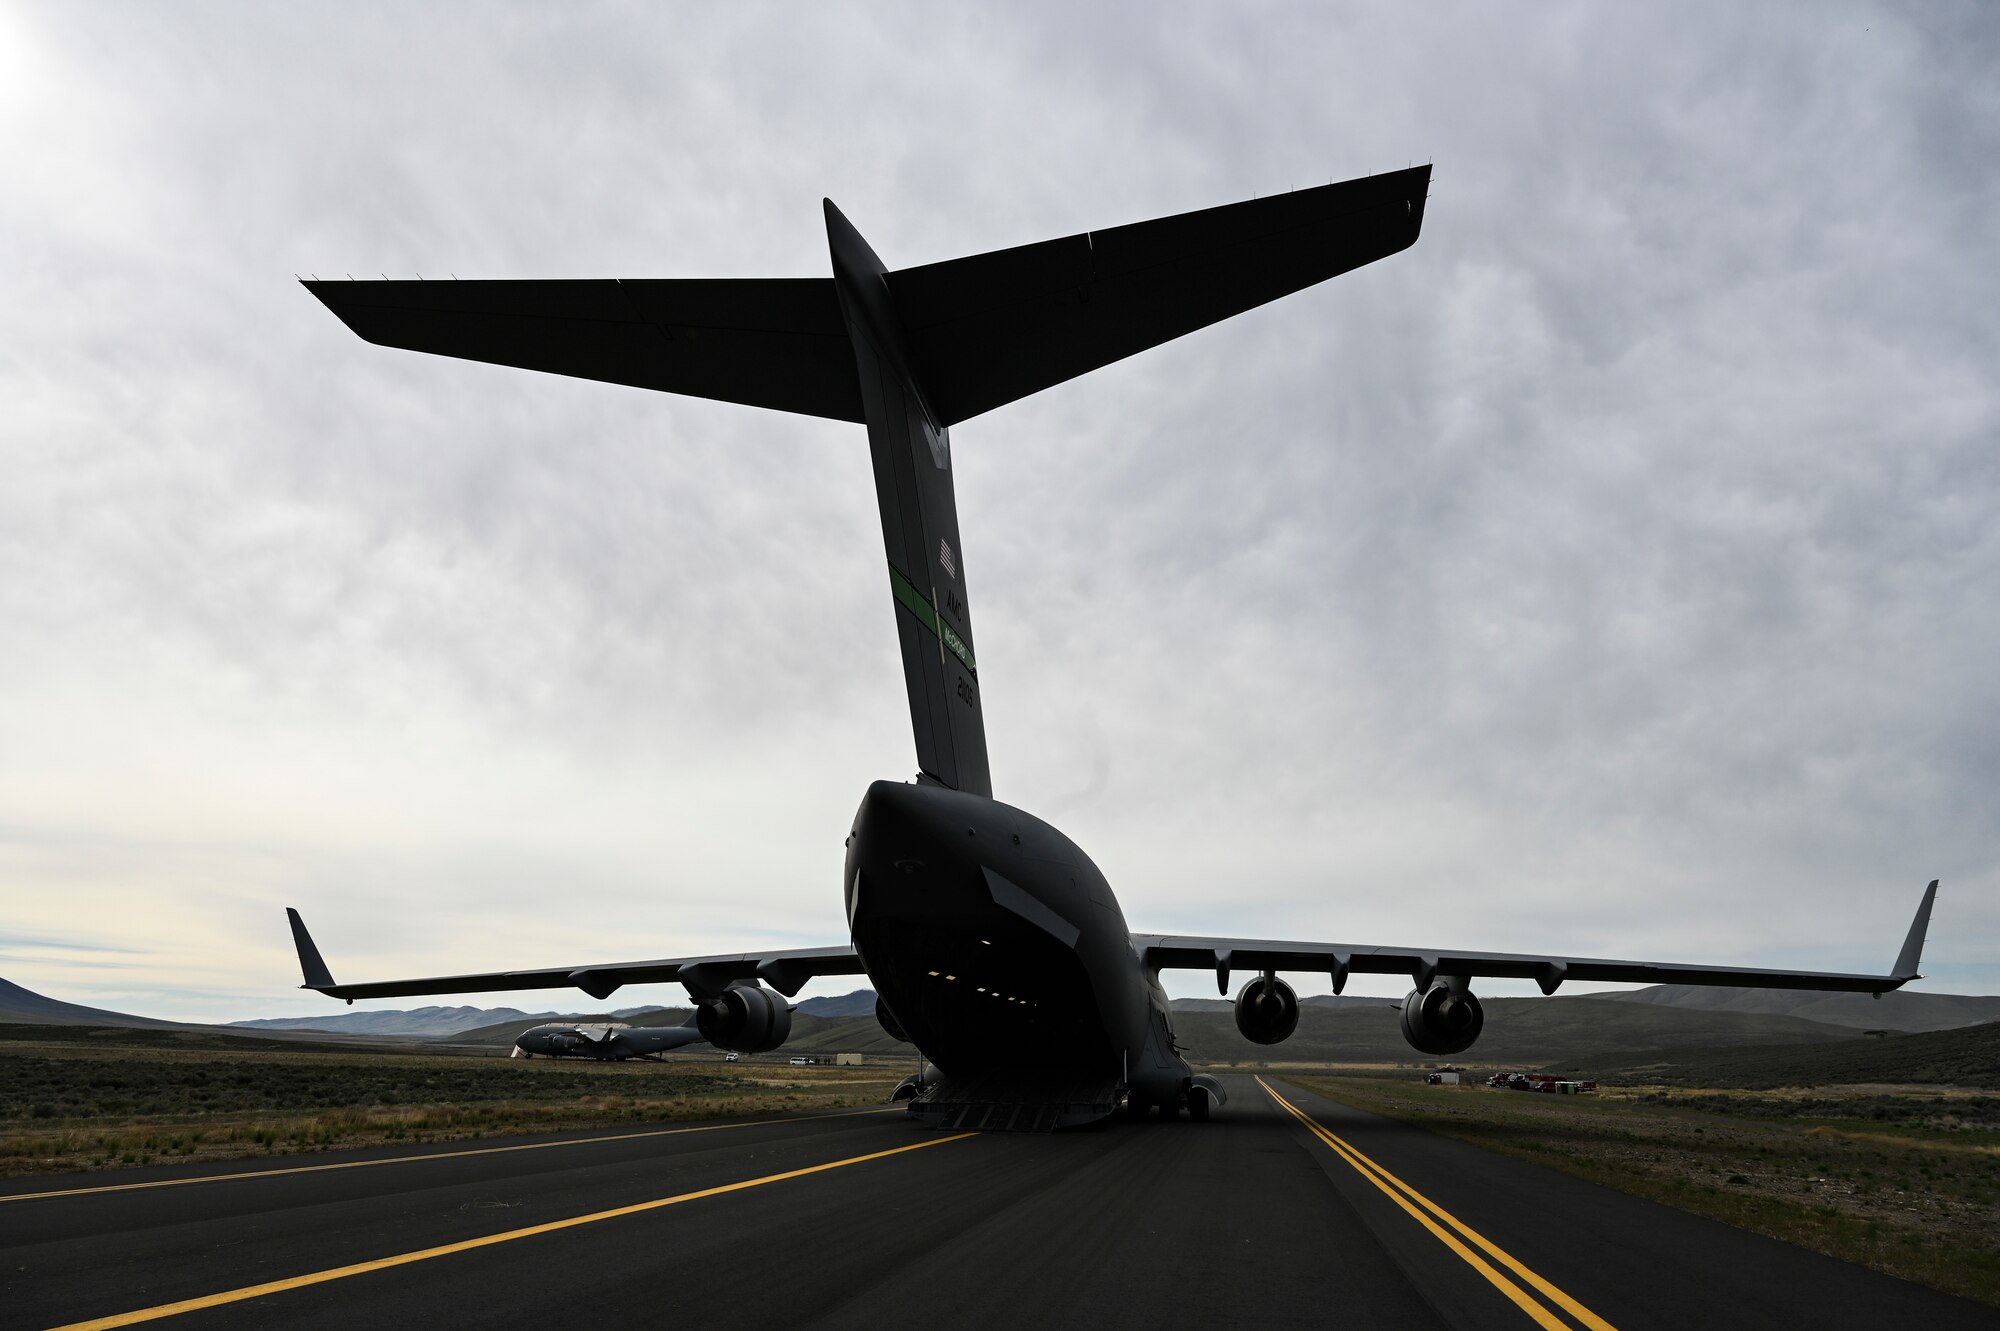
(1135, 1108)
(1198, 1105)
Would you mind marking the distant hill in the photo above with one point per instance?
(423, 1021)
(1967, 1056)
(1519, 1031)
(188, 1037)
(18, 1005)
(1898, 1011)
(1330, 1002)
(1733, 1033)
(811, 1020)
(845, 1035)
(1526, 1031)
(860, 1003)
(25, 1011)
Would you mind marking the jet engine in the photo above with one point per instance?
(1443, 1019)
(747, 1018)
(1266, 1010)
(888, 1021)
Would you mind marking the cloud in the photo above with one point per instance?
(1610, 573)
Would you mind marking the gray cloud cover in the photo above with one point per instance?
(1612, 573)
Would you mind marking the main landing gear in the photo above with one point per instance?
(1196, 1102)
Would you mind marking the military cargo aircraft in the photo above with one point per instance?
(994, 943)
(607, 1041)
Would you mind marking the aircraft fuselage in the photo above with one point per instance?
(994, 941)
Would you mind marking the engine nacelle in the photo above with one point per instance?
(887, 1020)
(747, 1018)
(1266, 1010)
(1438, 1020)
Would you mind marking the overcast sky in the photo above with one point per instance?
(1614, 573)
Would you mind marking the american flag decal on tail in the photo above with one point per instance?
(944, 557)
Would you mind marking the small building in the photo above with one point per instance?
(847, 1060)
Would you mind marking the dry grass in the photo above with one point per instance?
(71, 1106)
(1903, 1180)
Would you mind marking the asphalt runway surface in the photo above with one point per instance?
(1284, 1210)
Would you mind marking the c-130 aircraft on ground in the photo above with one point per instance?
(994, 943)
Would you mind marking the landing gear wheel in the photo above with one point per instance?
(1198, 1105)
(1170, 1111)
(1135, 1108)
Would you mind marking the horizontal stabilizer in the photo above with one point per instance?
(982, 331)
(764, 342)
(990, 329)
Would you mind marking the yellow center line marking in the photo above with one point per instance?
(1396, 1189)
(435, 1155)
(1569, 1305)
(486, 1241)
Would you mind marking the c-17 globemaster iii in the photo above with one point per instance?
(605, 1041)
(994, 943)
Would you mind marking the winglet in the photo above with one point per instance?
(317, 976)
(1913, 943)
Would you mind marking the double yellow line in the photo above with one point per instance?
(1455, 1234)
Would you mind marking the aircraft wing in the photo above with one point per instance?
(1424, 965)
(786, 971)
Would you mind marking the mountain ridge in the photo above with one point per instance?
(1898, 1010)
(433, 1022)
(1331, 1028)
(24, 1006)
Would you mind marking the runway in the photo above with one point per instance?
(1285, 1209)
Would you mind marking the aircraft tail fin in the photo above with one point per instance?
(910, 353)
(911, 453)
(934, 345)
(311, 964)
